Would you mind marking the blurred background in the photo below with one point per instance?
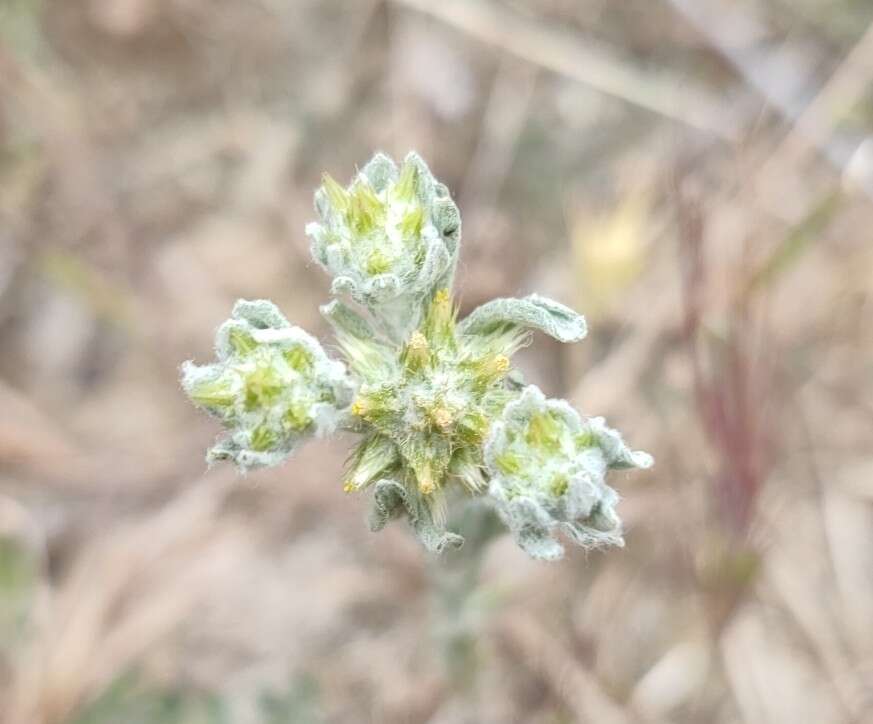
(693, 175)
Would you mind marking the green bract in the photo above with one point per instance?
(272, 386)
(435, 400)
(548, 473)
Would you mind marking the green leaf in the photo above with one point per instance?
(345, 319)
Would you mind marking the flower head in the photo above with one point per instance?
(272, 386)
(548, 473)
(425, 406)
(432, 397)
(435, 399)
(391, 235)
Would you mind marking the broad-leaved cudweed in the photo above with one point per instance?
(436, 400)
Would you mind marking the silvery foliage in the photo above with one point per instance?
(436, 401)
(548, 474)
(532, 312)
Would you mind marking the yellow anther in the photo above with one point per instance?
(349, 487)
(442, 418)
(424, 475)
(501, 364)
(493, 368)
(359, 407)
(417, 351)
(418, 342)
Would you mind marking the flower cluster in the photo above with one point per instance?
(436, 400)
(272, 386)
(390, 238)
(548, 472)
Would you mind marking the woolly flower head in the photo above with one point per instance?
(433, 397)
(435, 400)
(425, 406)
(548, 473)
(272, 386)
(392, 233)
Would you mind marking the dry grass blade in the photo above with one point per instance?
(151, 575)
(567, 678)
(502, 125)
(815, 126)
(584, 62)
(782, 78)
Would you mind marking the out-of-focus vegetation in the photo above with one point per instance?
(694, 176)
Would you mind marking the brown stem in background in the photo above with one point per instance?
(725, 389)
